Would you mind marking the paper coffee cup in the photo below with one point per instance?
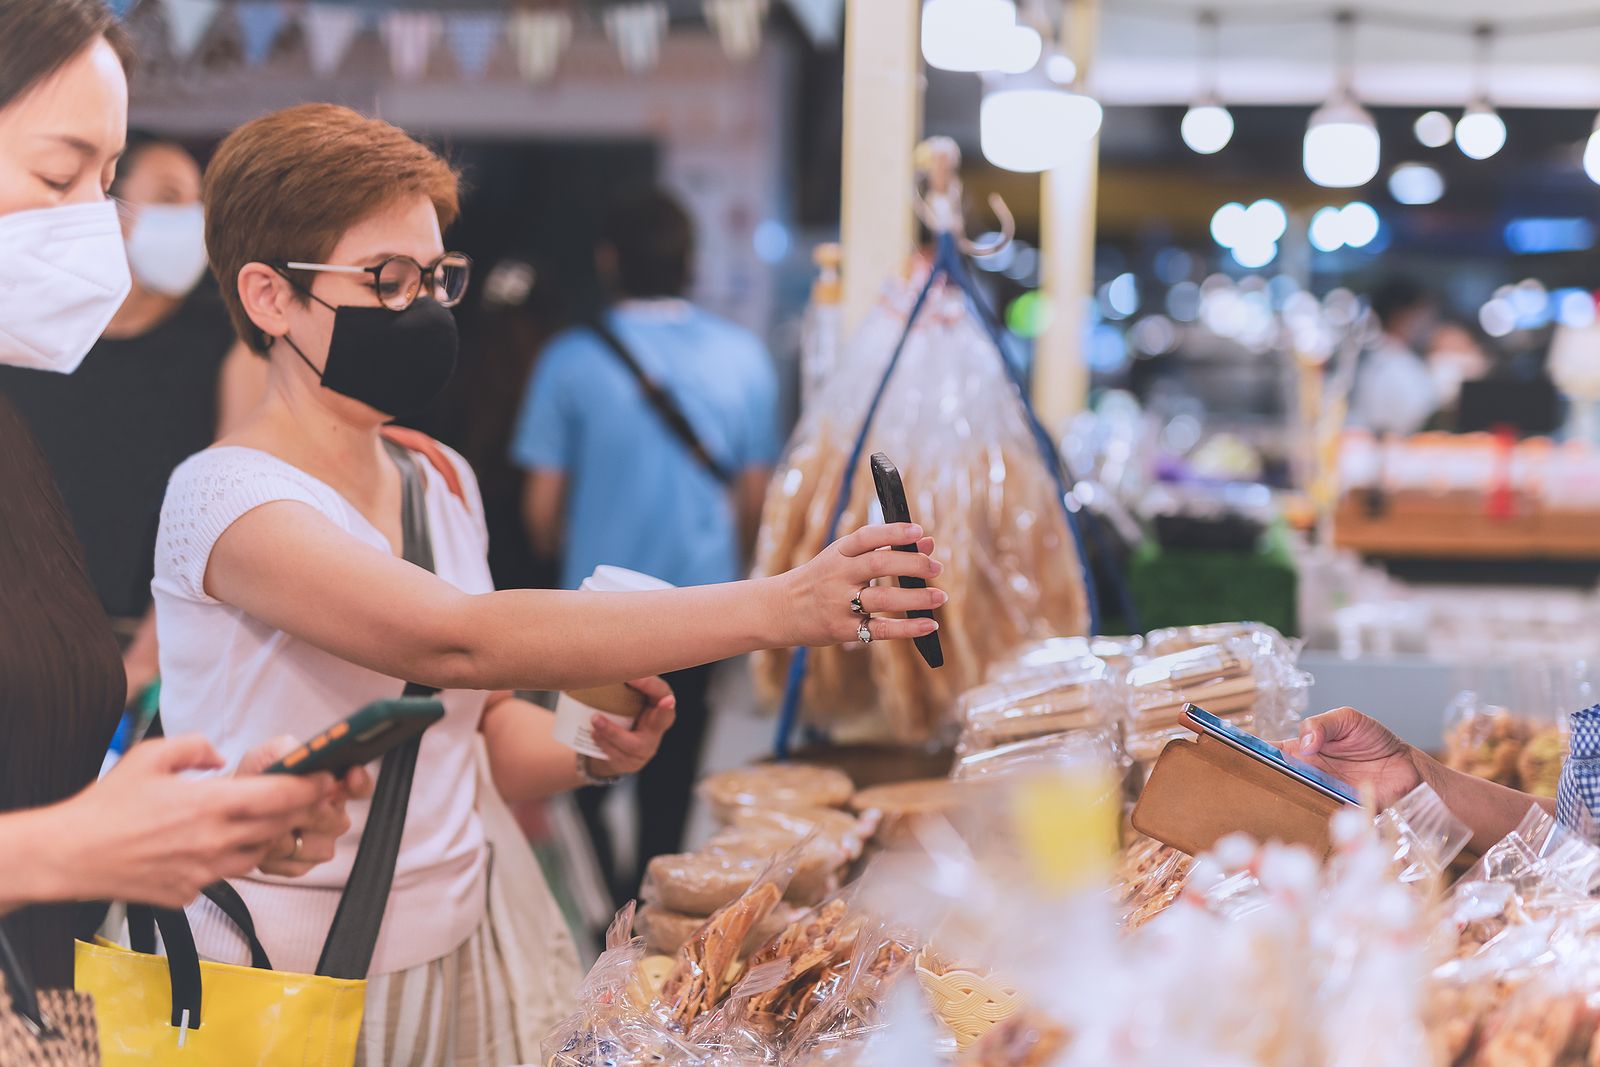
(574, 718)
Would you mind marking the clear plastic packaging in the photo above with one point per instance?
(952, 421)
(1522, 747)
(1424, 838)
(1183, 638)
(1100, 745)
(1052, 698)
(1249, 681)
(775, 786)
(886, 954)
(1117, 653)
(734, 1032)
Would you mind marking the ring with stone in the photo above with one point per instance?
(864, 631)
(855, 605)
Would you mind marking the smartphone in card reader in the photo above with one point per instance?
(1202, 721)
(363, 737)
(892, 497)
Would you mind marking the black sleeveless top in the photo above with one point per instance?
(62, 687)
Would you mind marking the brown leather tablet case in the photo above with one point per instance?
(1203, 790)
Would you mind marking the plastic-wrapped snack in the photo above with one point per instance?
(952, 423)
(707, 964)
(1099, 745)
(1027, 1039)
(665, 932)
(819, 948)
(698, 883)
(1053, 698)
(1245, 681)
(1424, 838)
(818, 860)
(609, 1030)
(850, 832)
(734, 1032)
(775, 786)
(1523, 751)
(1117, 653)
(903, 804)
(1150, 878)
(1183, 638)
(884, 956)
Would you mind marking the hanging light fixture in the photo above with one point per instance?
(1341, 147)
(1207, 125)
(1591, 154)
(1034, 120)
(1481, 132)
(968, 35)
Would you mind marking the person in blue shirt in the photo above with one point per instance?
(610, 481)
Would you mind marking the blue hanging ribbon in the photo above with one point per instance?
(948, 262)
(120, 8)
(472, 38)
(259, 23)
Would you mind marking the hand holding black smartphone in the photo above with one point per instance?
(892, 497)
(363, 737)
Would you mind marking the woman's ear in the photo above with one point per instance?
(266, 296)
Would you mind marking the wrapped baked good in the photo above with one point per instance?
(952, 421)
(1052, 698)
(1027, 1039)
(817, 860)
(1515, 748)
(1244, 681)
(706, 965)
(1183, 638)
(666, 932)
(775, 786)
(850, 832)
(1117, 653)
(900, 805)
(1101, 745)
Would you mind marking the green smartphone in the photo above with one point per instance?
(363, 737)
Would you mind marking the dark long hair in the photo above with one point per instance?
(39, 37)
(61, 680)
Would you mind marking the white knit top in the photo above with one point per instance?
(240, 683)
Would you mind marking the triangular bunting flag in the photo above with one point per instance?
(538, 38)
(819, 19)
(738, 25)
(120, 8)
(259, 23)
(472, 38)
(636, 29)
(330, 29)
(411, 37)
(187, 23)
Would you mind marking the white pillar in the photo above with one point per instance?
(1067, 198)
(882, 117)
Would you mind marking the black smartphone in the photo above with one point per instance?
(363, 737)
(892, 496)
(1274, 757)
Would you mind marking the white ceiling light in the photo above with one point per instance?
(967, 35)
(1266, 219)
(1341, 146)
(1359, 224)
(1018, 50)
(1591, 154)
(1416, 183)
(1327, 230)
(1434, 129)
(1207, 125)
(1254, 255)
(1250, 233)
(1028, 123)
(1481, 132)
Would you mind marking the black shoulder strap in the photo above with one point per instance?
(19, 984)
(348, 951)
(664, 405)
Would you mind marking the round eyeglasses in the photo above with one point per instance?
(399, 280)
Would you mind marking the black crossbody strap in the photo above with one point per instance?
(354, 934)
(19, 984)
(665, 405)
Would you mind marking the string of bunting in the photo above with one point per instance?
(411, 34)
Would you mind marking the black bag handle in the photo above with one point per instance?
(665, 406)
(24, 996)
(354, 934)
(183, 959)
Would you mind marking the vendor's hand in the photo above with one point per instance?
(627, 751)
(323, 824)
(816, 596)
(1359, 750)
(148, 834)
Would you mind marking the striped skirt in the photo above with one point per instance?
(452, 1012)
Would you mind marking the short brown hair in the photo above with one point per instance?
(288, 185)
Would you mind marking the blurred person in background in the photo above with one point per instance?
(597, 440)
(1395, 391)
(150, 393)
(147, 832)
(1455, 357)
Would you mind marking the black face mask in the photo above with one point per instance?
(395, 361)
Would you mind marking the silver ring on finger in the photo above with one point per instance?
(855, 605)
(299, 843)
(864, 632)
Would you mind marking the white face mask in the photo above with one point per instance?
(167, 248)
(63, 275)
